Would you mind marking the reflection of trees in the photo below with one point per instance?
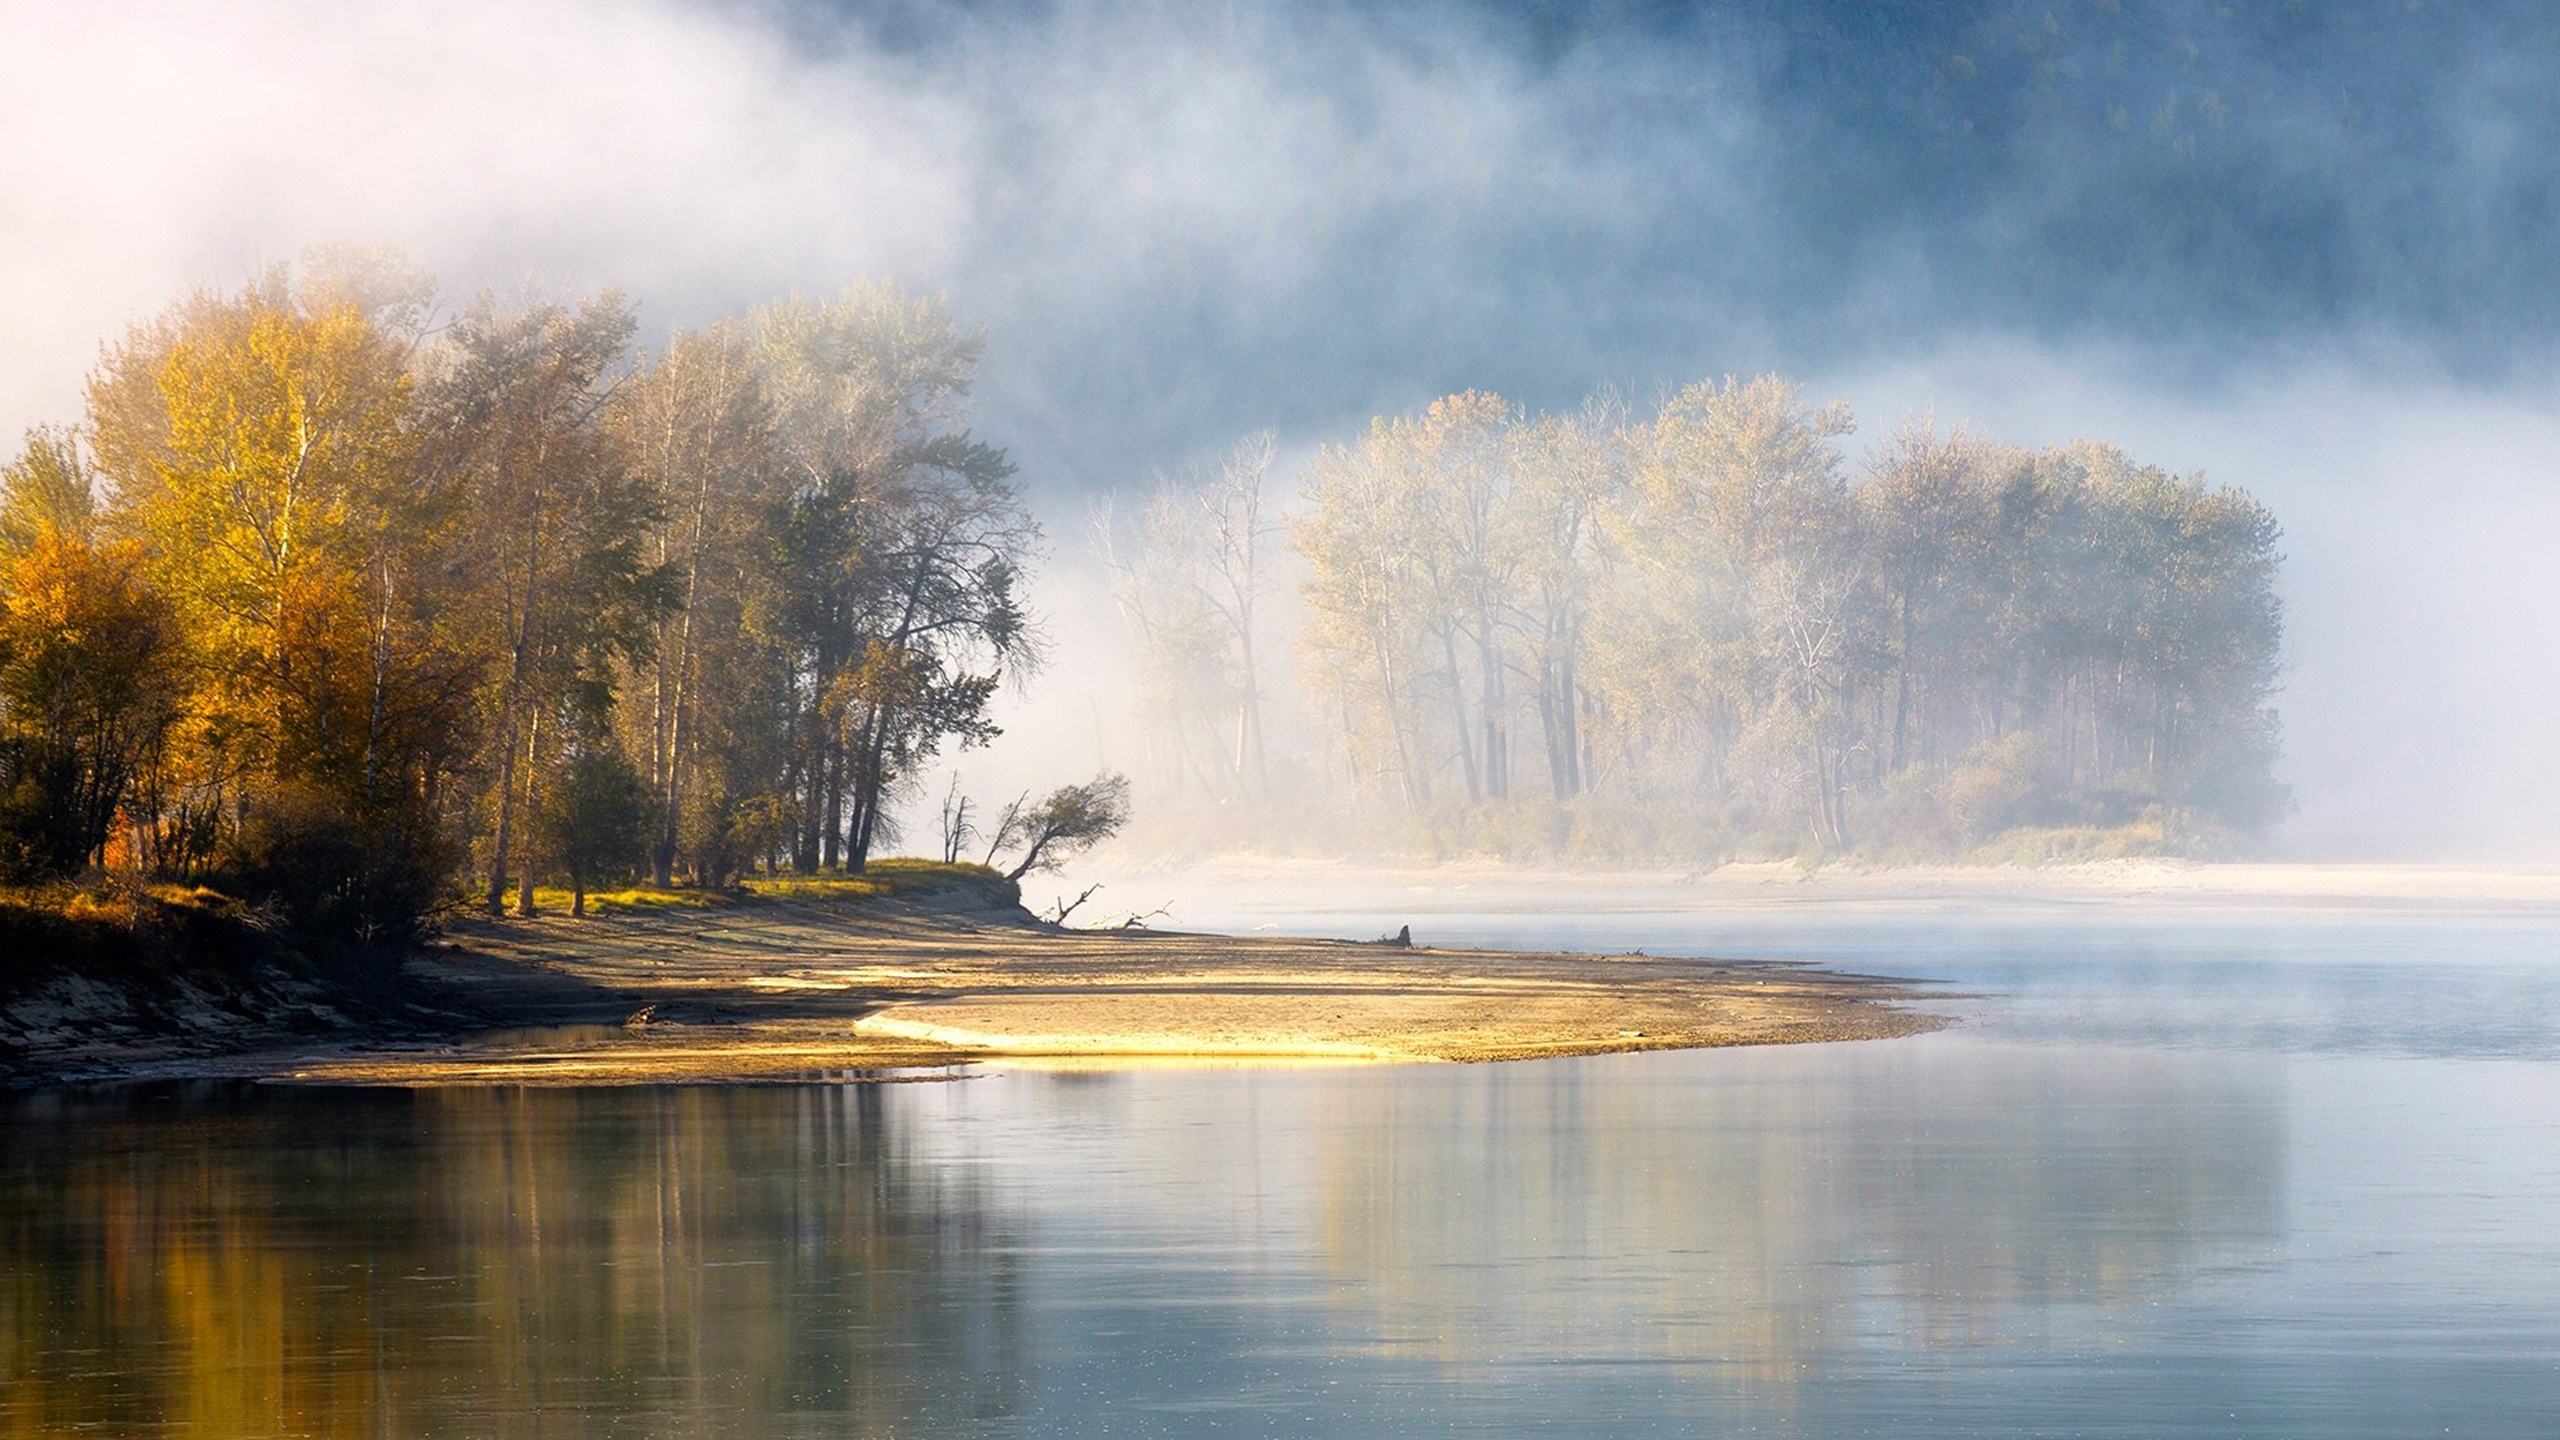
(1722, 1230)
(665, 1262)
(1763, 1215)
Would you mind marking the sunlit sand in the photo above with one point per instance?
(790, 991)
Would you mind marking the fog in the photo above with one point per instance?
(2304, 254)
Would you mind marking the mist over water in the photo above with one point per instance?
(2299, 248)
(2184, 1174)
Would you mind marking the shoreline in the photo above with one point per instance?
(886, 991)
(2162, 885)
(886, 986)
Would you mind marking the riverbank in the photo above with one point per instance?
(902, 986)
(105, 977)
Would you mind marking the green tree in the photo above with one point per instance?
(1064, 822)
(565, 581)
(901, 548)
(596, 817)
(699, 426)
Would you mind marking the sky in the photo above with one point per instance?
(2303, 248)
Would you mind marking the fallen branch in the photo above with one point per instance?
(1067, 908)
(1139, 922)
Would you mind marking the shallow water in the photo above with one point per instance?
(2178, 1173)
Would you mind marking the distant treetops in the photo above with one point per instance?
(335, 601)
(1703, 631)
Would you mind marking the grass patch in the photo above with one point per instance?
(2069, 844)
(122, 931)
(883, 879)
(631, 899)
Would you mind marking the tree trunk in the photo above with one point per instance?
(1249, 715)
(1569, 701)
(662, 862)
(511, 700)
(532, 798)
(1458, 714)
(831, 811)
(1902, 688)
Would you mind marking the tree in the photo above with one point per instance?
(1719, 622)
(564, 582)
(957, 828)
(1569, 469)
(1365, 637)
(1070, 819)
(281, 465)
(1927, 508)
(87, 652)
(596, 818)
(1189, 581)
(901, 547)
(1234, 579)
(699, 426)
(263, 450)
(1183, 668)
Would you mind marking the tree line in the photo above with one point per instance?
(1705, 629)
(338, 601)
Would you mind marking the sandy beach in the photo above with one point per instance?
(905, 989)
(786, 990)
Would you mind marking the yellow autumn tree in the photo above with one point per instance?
(86, 689)
(270, 470)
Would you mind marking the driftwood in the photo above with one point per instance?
(1068, 907)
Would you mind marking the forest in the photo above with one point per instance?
(360, 610)
(1702, 632)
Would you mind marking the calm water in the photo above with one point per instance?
(2178, 1175)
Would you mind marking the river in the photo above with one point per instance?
(2185, 1171)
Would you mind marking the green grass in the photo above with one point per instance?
(555, 899)
(883, 879)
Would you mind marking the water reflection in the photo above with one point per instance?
(491, 1263)
(1774, 1217)
(1617, 1243)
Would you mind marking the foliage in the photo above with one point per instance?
(122, 932)
(342, 885)
(594, 824)
(1708, 612)
(1069, 819)
(334, 607)
(85, 693)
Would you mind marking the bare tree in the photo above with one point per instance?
(1234, 529)
(957, 830)
(1008, 824)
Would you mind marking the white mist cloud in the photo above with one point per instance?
(695, 160)
(2421, 623)
(1181, 223)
